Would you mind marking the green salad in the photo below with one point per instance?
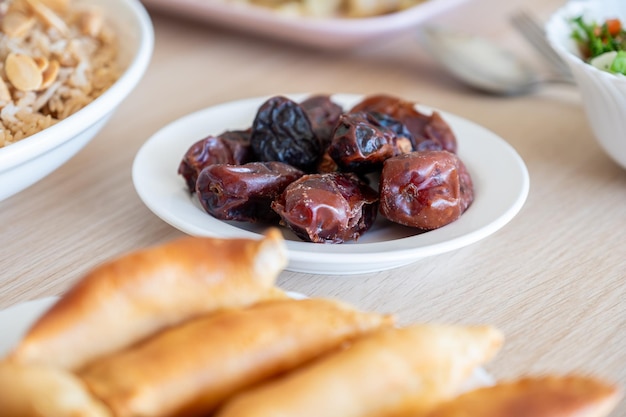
(602, 45)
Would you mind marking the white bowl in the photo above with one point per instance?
(25, 162)
(603, 94)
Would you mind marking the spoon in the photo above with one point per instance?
(484, 65)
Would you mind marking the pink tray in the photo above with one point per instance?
(335, 33)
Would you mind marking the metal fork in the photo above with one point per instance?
(530, 28)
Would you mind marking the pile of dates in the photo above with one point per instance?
(310, 166)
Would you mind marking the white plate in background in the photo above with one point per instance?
(499, 175)
(326, 33)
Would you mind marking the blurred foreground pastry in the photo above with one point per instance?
(197, 328)
(393, 372)
(549, 396)
(40, 391)
(131, 297)
(191, 368)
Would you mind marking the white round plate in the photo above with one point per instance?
(16, 320)
(500, 183)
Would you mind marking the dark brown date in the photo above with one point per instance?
(328, 208)
(430, 132)
(282, 132)
(239, 143)
(326, 164)
(426, 189)
(362, 142)
(438, 130)
(244, 192)
(323, 114)
(231, 147)
(404, 137)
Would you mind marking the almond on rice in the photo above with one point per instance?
(56, 56)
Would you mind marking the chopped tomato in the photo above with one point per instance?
(614, 26)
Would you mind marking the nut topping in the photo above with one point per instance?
(42, 62)
(50, 74)
(56, 57)
(91, 23)
(23, 72)
(46, 15)
(16, 24)
(5, 95)
(20, 6)
(56, 5)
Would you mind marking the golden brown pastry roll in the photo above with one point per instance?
(391, 372)
(36, 391)
(129, 298)
(549, 396)
(189, 369)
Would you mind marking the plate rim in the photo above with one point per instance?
(305, 30)
(395, 250)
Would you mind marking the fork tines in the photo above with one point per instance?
(532, 30)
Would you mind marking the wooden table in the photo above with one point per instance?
(553, 279)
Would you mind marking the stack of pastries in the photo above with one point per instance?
(197, 328)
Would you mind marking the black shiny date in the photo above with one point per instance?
(282, 132)
(328, 208)
(244, 192)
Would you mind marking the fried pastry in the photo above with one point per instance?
(189, 369)
(391, 372)
(36, 391)
(548, 396)
(129, 298)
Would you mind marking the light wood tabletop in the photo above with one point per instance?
(553, 279)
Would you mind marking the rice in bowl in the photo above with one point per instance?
(56, 56)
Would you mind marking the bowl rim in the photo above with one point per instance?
(553, 34)
(65, 130)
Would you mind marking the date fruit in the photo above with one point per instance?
(328, 208)
(282, 132)
(323, 114)
(426, 189)
(231, 147)
(363, 141)
(430, 132)
(244, 192)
